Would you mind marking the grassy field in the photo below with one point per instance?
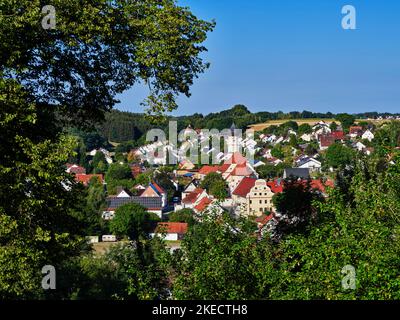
(311, 122)
(262, 126)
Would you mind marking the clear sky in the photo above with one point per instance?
(293, 55)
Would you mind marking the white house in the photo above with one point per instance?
(360, 146)
(170, 231)
(307, 137)
(368, 135)
(310, 163)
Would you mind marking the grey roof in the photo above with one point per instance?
(302, 173)
(147, 202)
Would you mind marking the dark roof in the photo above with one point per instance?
(302, 173)
(147, 202)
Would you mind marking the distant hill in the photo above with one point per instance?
(127, 126)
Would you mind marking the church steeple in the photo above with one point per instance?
(233, 128)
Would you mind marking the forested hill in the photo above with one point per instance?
(126, 126)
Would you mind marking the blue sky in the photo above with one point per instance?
(293, 55)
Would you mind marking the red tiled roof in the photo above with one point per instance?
(264, 219)
(74, 168)
(172, 227)
(244, 187)
(321, 186)
(338, 135)
(208, 169)
(275, 186)
(159, 189)
(224, 167)
(203, 204)
(356, 130)
(236, 158)
(242, 170)
(192, 196)
(327, 141)
(85, 178)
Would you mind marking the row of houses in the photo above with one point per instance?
(248, 195)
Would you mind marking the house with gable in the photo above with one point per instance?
(192, 199)
(153, 190)
(75, 169)
(310, 163)
(253, 197)
(85, 178)
(368, 135)
(355, 132)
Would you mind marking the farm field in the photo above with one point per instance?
(262, 126)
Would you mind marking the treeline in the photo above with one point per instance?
(126, 126)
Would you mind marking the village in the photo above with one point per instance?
(250, 170)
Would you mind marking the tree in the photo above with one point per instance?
(356, 235)
(164, 181)
(133, 221)
(387, 138)
(221, 259)
(210, 179)
(304, 128)
(184, 215)
(144, 178)
(293, 141)
(95, 202)
(297, 205)
(107, 52)
(99, 163)
(51, 79)
(117, 172)
(219, 190)
(346, 120)
(267, 171)
(339, 156)
(333, 126)
(277, 152)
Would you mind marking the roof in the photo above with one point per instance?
(192, 196)
(147, 202)
(242, 170)
(203, 204)
(264, 219)
(157, 188)
(276, 186)
(327, 141)
(236, 158)
(355, 130)
(302, 173)
(244, 187)
(85, 178)
(208, 169)
(338, 135)
(172, 227)
(321, 186)
(74, 168)
(306, 160)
